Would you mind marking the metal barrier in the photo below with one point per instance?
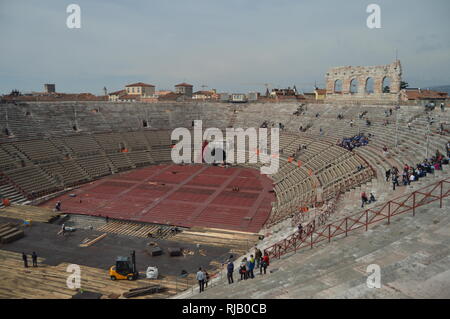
(314, 234)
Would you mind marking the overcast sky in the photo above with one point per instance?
(231, 45)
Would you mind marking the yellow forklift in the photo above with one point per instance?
(125, 268)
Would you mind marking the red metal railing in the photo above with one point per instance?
(314, 234)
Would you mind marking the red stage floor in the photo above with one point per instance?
(197, 195)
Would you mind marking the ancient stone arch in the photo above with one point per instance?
(360, 75)
(354, 86)
(337, 86)
(386, 84)
(369, 88)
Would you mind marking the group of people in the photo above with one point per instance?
(414, 173)
(297, 153)
(267, 124)
(388, 113)
(246, 269)
(353, 142)
(33, 259)
(367, 200)
(248, 266)
(301, 110)
(203, 278)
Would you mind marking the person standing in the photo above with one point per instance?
(251, 266)
(34, 259)
(201, 279)
(264, 263)
(364, 199)
(394, 182)
(58, 206)
(206, 278)
(230, 270)
(243, 269)
(388, 174)
(258, 256)
(25, 260)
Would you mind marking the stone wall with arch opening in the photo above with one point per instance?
(364, 82)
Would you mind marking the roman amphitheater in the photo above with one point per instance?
(102, 159)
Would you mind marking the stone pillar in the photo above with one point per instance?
(362, 85)
(330, 85)
(378, 85)
(346, 85)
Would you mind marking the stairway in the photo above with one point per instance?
(413, 254)
(14, 196)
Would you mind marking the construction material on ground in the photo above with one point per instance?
(188, 252)
(174, 251)
(36, 214)
(143, 291)
(152, 272)
(156, 251)
(240, 242)
(136, 229)
(93, 241)
(86, 295)
(49, 282)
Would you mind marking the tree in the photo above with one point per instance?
(403, 85)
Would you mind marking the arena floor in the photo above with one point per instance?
(194, 195)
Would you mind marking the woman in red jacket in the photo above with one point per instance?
(264, 263)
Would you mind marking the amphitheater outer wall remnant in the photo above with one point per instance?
(364, 84)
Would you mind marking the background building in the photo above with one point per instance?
(205, 95)
(185, 89)
(142, 89)
(425, 96)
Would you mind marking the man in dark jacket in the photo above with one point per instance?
(230, 270)
(25, 260)
(34, 258)
(258, 256)
(388, 174)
